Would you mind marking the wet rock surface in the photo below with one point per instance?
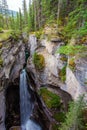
(12, 117)
(2, 110)
(13, 59)
(13, 56)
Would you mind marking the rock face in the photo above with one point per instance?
(76, 82)
(2, 110)
(12, 100)
(73, 85)
(13, 60)
(13, 56)
(33, 44)
(52, 62)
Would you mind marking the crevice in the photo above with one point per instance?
(12, 98)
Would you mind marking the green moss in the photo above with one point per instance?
(39, 33)
(63, 58)
(51, 100)
(71, 50)
(72, 64)
(15, 34)
(1, 45)
(60, 117)
(55, 127)
(62, 74)
(85, 82)
(0, 52)
(5, 35)
(38, 61)
(1, 61)
(1, 30)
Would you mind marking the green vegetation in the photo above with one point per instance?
(1, 61)
(15, 34)
(55, 127)
(74, 117)
(60, 117)
(77, 24)
(38, 33)
(5, 35)
(62, 74)
(1, 30)
(63, 58)
(71, 50)
(1, 45)
(72, 64)
(52, 100)
(63, 19)
(38, 61)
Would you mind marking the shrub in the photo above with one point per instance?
(62, 74)
(55, 127)
(71, 50)
(1, 30)
(38, 34)
(63, 58)
(74, 117)
(5, 35)
(15, 34)
(60, 117)
(72, 64)
(38, 61)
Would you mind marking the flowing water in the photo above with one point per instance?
(26, 105)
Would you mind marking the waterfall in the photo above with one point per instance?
(26, 105)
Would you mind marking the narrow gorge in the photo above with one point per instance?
(34, 97)
(43, 65)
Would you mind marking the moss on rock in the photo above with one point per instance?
(1, 61)
(1, 45)
(60, 117)
(55, 127)
(38, 61)
(54, 104)
(72, 64)
(51, 100)
(62, 74)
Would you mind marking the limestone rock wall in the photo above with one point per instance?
(52, 60)
(73, 86)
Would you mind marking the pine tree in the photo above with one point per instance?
(20, 21)
(74, 120)
(25, 13)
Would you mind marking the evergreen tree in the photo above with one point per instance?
(25, 13)
(74, 117)
(20, 21)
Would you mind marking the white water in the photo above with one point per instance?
(30, 125)
(26, 105)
